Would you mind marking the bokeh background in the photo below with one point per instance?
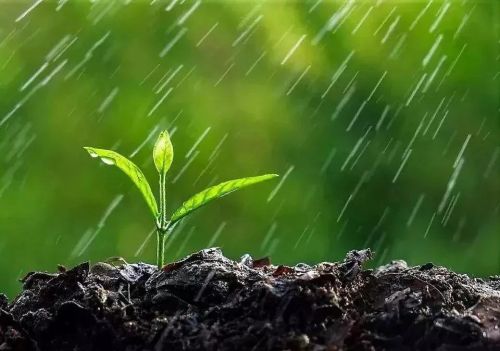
(382, 118)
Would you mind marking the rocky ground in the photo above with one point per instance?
(209, 302)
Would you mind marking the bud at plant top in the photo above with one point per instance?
(163, 153)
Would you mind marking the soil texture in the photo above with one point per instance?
(210, 302)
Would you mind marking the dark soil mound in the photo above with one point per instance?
(209, 302)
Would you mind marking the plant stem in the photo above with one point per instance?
(162, 225)
(160, 253)
(163, 190)
(162, 201)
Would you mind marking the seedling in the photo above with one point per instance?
(163, 155)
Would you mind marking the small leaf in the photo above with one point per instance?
(215, 192)
(163, 153)
(130, 169)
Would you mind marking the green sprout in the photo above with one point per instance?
(163, 155)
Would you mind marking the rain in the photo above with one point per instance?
(381, 119)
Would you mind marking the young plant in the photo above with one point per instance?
(163, 155)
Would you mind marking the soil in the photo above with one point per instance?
(209, 302)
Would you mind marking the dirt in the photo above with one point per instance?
(209, 302)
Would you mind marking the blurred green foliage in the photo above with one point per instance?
(255, 78)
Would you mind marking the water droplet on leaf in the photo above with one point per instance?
(108, 161)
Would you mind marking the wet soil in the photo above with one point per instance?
(209, 302)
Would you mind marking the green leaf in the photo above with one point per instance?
(163, 153)
(215, 192)
(129, 168)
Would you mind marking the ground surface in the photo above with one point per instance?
(209, 302)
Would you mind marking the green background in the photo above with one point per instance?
(337, 97)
